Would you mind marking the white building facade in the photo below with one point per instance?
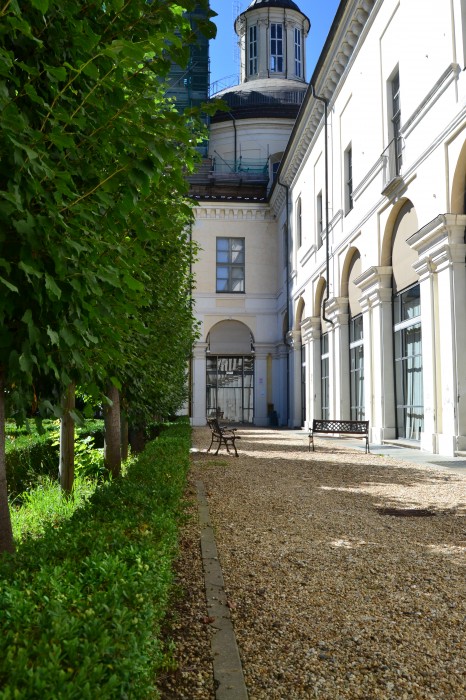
(335, 286)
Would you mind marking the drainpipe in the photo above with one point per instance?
(288, 315)
(327, 242)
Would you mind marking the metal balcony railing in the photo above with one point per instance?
(252, 98)
(241, 166)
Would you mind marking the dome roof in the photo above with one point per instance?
(287, 4)
(269, 97)
(282, 4)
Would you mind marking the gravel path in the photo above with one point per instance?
(345, 573)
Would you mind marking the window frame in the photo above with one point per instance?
(230, 266)
(253, 49)
(325, 376)
(276, 47)
(299, 222)
(298, 52)
(356, 350)
(319, 220)
(348, 170)
(395, 119)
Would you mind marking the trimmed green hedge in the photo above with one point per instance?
(80, 609)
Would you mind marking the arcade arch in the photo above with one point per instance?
(406, 300)
(230, 372)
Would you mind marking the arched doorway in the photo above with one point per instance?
(230, 372)
(407, 328)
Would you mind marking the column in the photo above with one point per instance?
(313, 333)
(442, 273)
(337, 311)
(260, 385)
(294, 342)
(199, 404)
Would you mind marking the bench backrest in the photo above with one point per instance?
(214, 425)
(340, 426)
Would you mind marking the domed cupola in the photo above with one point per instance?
(272, 37)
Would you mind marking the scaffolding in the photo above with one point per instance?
(190, 85)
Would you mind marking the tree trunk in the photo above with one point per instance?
(112, 451)
(66, 468)
(6, 533)
(124, 436)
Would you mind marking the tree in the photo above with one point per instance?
(86, 136)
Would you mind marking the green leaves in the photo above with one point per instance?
(94, 264)
(42, 5)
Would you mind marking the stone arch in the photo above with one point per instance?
(318, 308)
(458, 189)
(320, 290)
(299, 313)
(386, 251)
(230, 337)
(352, 291)
(396, 252)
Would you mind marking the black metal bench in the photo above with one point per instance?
(224, 435)
(341, 427)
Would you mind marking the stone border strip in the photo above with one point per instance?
(228, 672)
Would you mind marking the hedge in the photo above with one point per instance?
(30, 456)
(81, 608)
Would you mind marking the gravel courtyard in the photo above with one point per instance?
(344, 572)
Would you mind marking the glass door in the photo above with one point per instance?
(408, 364)
(230, 388)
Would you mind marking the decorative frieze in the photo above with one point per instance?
(261, 212)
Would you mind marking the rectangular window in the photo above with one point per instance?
(319, 225)
(324, 377)
(297, 53)
(230, 265)
(253, 50)
(348, 179)
(396, 122)
(357, 408)
(408, 364)
(299, 223)
(276, 48)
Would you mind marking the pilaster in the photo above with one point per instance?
(441, 269)
(337, 311)
(199, 388)
(294, 342)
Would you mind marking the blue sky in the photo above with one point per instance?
(222, 49)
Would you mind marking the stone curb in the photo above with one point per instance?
(228, 672)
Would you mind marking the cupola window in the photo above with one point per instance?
(297, 53)
(276, 47)
(253, 50)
